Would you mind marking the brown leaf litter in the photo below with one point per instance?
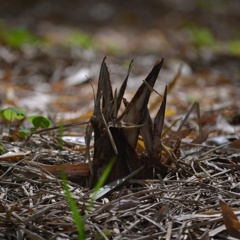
(180, 202)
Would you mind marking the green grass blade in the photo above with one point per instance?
(102, 180)
(73, 207)
(105, 174)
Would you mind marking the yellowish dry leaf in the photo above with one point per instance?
(230, 220)
(13, 157)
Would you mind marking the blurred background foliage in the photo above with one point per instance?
(117, 27)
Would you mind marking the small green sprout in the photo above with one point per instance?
(11, 113)
(39, 122)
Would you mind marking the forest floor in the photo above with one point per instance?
(50, 59)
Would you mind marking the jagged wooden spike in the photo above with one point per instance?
(103, 101)
(158, 125)
(147, 134)
(99, 90)
(107, 94)
(136, 110)
(123, 87)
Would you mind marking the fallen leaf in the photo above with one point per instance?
(202, 138)
(230, 220)
(14, 157)
(74, 172)
(125, 204)
(235, 145)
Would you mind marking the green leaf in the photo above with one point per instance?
(81, 39)
(12, 113)
(24, 132)
(115, 50)
(60, 135)
(201, 36)
(16, 37)
(39, 121)
(234, 46)
(1, 149)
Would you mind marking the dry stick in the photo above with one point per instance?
(88, 137)
(125, 125)
(109, 134)
(195, 105)
(169, 128)
(170, 156)
(148, 207)
(11, 166)
(147, 191)
(169, 231)
(94, 94)
(199, 119)
(176, 77)
(10, 183)
(40, 212)
(151, 89)
(151, 221)
(56, 127)
(31, 234)
(174, 230)
(101, 232)
(212, 150)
